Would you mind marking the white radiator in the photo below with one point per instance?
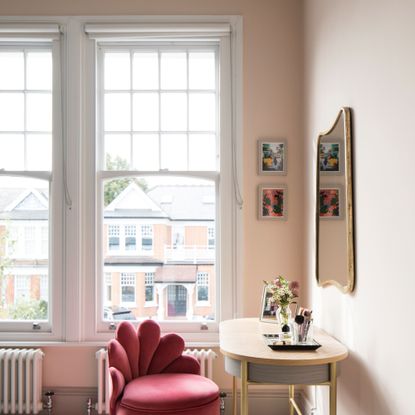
(205, 358)
(21, 381)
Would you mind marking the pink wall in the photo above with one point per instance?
(272, 108)
(361, 54)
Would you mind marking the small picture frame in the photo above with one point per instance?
(272, 201)
(331, 202)
(268, 309)
(331, 158)
(272, 157)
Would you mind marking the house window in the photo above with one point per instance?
(114, 237)
(21, 289)
(202, 286)
(30, 241)
(149, 286)
(176, 301)
(108, 289)
(44, 244)
(177, 238)
(211, 237)
(44, 288)
(130, 237)
(128, 289)
(147, 237)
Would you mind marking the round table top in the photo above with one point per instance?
(242, 339)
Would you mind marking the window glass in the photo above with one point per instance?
(26, 109)
(156, 226)
(24, 249)
(168, 253)
(167, 122)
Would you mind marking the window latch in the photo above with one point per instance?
(112, 326)
(36, 326)
(204, 326)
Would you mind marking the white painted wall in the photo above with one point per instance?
(362, 54)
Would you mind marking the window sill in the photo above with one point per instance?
(202, 304)
(91, 344)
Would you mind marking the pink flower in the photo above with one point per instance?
(277, 282)
(294, 286)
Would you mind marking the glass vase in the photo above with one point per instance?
(284, 317)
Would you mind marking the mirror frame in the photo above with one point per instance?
(348, 175)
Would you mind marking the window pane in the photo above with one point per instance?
(39, 151)
(117, 151)
(202, 293)
(171, 277)
(145, 70)
(146, 112)
(11, 70)
(12, 112)
(173, 112)
(117, 112)
(201, 70)
(39, 112)
(116, 70)
(146, 152)
(174, 151)
(173, 70)
(39, 71)
(202, 116)
(12, 151)
(202, 152)
(24, 217)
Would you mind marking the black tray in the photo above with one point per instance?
(276, 342)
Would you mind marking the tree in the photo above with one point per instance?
(113, 188)
(29, 310)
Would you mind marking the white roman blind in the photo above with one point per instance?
(157, 31)
(29, 32)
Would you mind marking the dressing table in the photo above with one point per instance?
(248, 358)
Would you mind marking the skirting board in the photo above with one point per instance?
(74, 400)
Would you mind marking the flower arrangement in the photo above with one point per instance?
(283, 292)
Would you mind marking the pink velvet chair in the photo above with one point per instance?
(150, 375)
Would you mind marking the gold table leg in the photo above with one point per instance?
(333, 389)
(234, 397)
(244, 388)
(291, 392)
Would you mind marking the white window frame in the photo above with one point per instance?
(213, 176)
(228, 224)
(40, 35)
(74, 294)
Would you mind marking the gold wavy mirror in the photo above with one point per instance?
(334, 212)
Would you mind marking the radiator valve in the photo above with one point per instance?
(222, 396)
(49, 401)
